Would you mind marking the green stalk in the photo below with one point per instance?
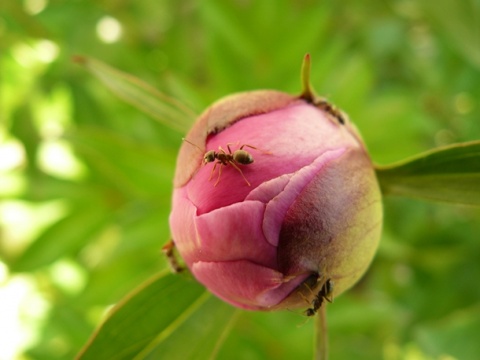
(308, 94)
(321, 335)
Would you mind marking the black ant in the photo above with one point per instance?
(168, 251)
(325, 293)
(330, 109)
(238, 157)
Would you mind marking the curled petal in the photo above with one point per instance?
(234, 233)
(279, 205)
(245, 284)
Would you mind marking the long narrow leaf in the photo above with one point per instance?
(206, 324)
(136, 168)
(63, 238)
(159, 318)
(144, 97)
(449, 174)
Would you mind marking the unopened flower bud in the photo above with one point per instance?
(306, 209)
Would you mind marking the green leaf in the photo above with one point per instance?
(454, 336)
(169, 317)
(138, 169)
(460, 23)
(144, 97)
(63, 237)
(449, 174)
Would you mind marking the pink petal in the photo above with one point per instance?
(279, 205)
(234, 233)
(182, 225)
(286, 141)
(245, 284)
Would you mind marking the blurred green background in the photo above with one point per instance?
(85, 179)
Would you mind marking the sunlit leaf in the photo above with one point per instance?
(169, 317)
(134, 167)
(167, 110)
(450, 174)
(64, 237)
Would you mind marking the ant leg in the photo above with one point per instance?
(223, 151)
(250, 146)
(309, 311)
(168, 251)
(228, 146)
(213, 170)
(309, 288)
(304, 298)
(219, 174)
(255, 148)
(327, 289)
(315, 304)
(240, 171)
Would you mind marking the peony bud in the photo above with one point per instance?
(268, 234)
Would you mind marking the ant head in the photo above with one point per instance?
(309, 312)
(209, 156)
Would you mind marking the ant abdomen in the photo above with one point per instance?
(242, 157)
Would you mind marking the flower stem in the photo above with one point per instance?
(321, 334)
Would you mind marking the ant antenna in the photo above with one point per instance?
(184, 139)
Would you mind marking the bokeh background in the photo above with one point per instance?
(85, 179)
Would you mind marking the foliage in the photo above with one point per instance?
(89, 177)
(450, 174)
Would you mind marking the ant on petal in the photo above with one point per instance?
(224, 158)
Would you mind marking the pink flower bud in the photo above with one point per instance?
(307, 209)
